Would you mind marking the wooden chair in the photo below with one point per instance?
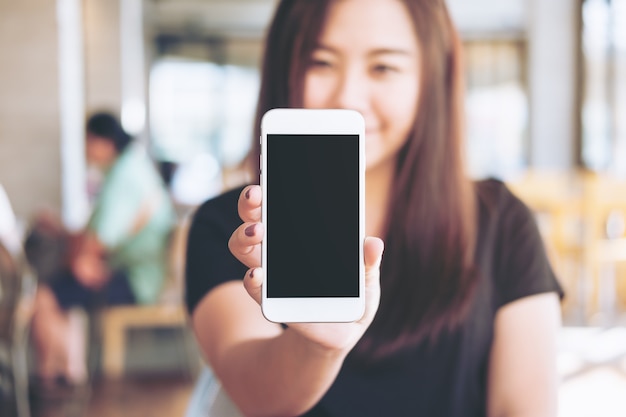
(169, 311)
(605, 210)
(557, 200)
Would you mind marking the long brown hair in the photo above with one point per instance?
(427, 275)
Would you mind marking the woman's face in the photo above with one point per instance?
(368, 60)
(100, 151)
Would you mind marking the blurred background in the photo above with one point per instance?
(546, 112)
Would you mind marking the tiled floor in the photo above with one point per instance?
(159, 383)
(140, 396)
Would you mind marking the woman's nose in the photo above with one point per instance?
(352, 91)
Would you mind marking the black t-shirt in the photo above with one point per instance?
(447, 378)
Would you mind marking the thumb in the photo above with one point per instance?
(372, 252)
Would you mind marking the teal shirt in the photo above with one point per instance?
(133, 186)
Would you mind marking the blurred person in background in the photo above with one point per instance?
(119, 258)
(464, 318)
(9, 228)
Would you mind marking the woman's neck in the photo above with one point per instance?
(378, 184)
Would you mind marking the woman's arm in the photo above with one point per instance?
(266, 370)
(523, 379)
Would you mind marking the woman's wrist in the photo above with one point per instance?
(317, 349)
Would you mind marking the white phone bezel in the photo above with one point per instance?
(313, 121)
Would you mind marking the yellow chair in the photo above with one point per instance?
(557, 200)
(605, 211)
(169, 311)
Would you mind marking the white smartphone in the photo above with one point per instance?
(313, 181)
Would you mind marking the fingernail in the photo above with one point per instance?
(247, 194)
(250, 230)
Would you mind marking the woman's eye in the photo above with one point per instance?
(384, 69)
(320, 63)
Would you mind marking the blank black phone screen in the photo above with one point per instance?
(312, 219)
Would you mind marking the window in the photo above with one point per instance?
(604, 95)
(497, 107)
(201, 119)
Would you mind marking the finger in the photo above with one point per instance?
(249, 205)
(245, 244)
(252, 283)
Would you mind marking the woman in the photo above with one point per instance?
(119, 258)
(469, 308)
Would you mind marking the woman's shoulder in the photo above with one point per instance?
(208, 259)
(510, 233)
(134, 167)
(502, 214)
(221, 209)
(212, 224)
(493, 190)
(496, 197)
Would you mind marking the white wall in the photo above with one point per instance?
(30, 165)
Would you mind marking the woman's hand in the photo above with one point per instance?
(245, 245)
(87, 261)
